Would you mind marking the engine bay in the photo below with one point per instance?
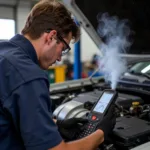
(76, 98)
(132, 127)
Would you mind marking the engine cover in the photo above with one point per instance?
(70, 110)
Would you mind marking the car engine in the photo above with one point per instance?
(132, 129)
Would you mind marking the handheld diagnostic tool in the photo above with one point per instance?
(100, 109)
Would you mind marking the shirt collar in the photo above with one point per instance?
(26, 46)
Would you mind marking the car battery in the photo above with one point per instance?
(130, 132)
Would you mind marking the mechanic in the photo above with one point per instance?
(25, 108)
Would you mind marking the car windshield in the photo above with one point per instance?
(142, 67)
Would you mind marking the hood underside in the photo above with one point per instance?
(136, 12)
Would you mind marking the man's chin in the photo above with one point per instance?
(46, 67)
(52, 64)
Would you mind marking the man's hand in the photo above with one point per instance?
(108, 123)
(71, 127)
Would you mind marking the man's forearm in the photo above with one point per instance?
(88, 143)
(55, 120)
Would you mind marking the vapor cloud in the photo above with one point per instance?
(115, 34)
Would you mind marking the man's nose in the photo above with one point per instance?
(59, 58)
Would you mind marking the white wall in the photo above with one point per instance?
(22, 13)
(6, 12)
(7, 27)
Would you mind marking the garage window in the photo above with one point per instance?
(7, 29)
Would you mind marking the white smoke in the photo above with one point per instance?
(115, 34)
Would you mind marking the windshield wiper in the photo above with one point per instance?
(140, 74)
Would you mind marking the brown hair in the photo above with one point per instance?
(50, 14)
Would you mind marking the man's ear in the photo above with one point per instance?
(51, 35)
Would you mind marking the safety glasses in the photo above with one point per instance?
(66, 48)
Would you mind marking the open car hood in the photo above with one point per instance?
(136, 12)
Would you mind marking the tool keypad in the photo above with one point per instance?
(88, 129)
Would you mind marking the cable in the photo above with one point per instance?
(90, 77)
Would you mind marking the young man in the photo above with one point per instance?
(25, 108)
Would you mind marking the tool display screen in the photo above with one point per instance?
(103, 102)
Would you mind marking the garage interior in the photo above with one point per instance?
(78, 82)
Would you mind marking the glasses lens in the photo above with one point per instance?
(67, 49)
(64, 52)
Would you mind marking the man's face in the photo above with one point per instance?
(52, 51)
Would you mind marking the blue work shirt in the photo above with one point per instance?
(25, 108)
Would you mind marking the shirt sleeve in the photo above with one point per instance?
(35, 123)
